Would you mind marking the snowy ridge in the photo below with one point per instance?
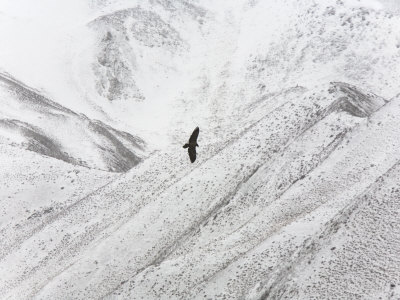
(35, 123)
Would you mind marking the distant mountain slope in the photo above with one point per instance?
(33, 122)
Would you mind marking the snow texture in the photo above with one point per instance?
(295, 193)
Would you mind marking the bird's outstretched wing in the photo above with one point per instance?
(192, 154)
(193, 137)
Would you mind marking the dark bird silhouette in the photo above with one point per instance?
(192, 144)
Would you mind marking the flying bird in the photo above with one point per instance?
(192, 144)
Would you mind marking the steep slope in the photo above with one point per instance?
(33, 122)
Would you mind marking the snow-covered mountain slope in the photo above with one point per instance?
(295, 190)
(153, 235)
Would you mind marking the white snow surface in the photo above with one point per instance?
(295, 193)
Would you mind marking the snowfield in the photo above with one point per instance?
(295, 193)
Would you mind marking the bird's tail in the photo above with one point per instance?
(186, 146)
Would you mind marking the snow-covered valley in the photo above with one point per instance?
(295, 193)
